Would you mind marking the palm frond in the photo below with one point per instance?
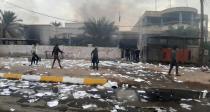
(10, 23)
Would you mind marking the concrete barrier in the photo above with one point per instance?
(63, 79)
(70, 52)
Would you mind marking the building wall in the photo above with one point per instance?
(208, 39)
(156, 23)
(70, 52)
(41, 32)
(45, 32)
(156, 54)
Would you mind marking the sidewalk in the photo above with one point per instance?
(188, 74)
(139, 74)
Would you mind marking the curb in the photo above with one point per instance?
(63, 79)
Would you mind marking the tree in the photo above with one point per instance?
(10, 25)
(99, 31)
(56, 24)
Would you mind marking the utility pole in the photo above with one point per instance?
(202, 33)
(155, 5)
(187, 3)
(1, 21)
(170, 3)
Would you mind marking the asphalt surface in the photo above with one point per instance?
(140, 88)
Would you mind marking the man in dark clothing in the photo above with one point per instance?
(173, 62)
(127, 54)
(55, 53)
(35, 58)
(94, 57)
(137, 55)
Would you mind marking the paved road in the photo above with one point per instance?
(134, 81)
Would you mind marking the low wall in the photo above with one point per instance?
(70, 52)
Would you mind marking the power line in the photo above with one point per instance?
(42, 14)
(169, 3)
(187, 4)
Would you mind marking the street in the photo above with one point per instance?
(131, 87)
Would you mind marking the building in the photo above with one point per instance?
(128, 42)
(16, 41)
(41, 33)
(208, 37)
(44, 33)
(70, 30)
(155, 39)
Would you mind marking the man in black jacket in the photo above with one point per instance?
(173, 61)
(94, 57)
(55, 52)
(35, 58)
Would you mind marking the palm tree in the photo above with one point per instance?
(56, 24)
(99, 31)
(10, 24)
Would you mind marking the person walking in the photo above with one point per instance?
(127, 54)
(55, 52)
(173, 62)
(94, 57)
(35, 58)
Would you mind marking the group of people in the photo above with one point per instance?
(132, 55)
(94, 58)
(55, 53)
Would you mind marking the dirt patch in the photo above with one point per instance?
(198, 86)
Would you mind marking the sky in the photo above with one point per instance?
(80, 10)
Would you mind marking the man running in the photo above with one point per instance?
(55, 53)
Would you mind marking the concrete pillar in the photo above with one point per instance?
(145, 21)
(161, 22)
(206, 29)
(180, 17)
(192, 19)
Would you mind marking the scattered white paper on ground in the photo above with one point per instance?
(80, 94)
(12, 109)
(119, 108)
(52, 103)
(95, 74)
(139, 80)
(186, 106)
(89, 106)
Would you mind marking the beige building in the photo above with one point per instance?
(153, 39)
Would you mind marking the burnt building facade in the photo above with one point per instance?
(159, 31)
